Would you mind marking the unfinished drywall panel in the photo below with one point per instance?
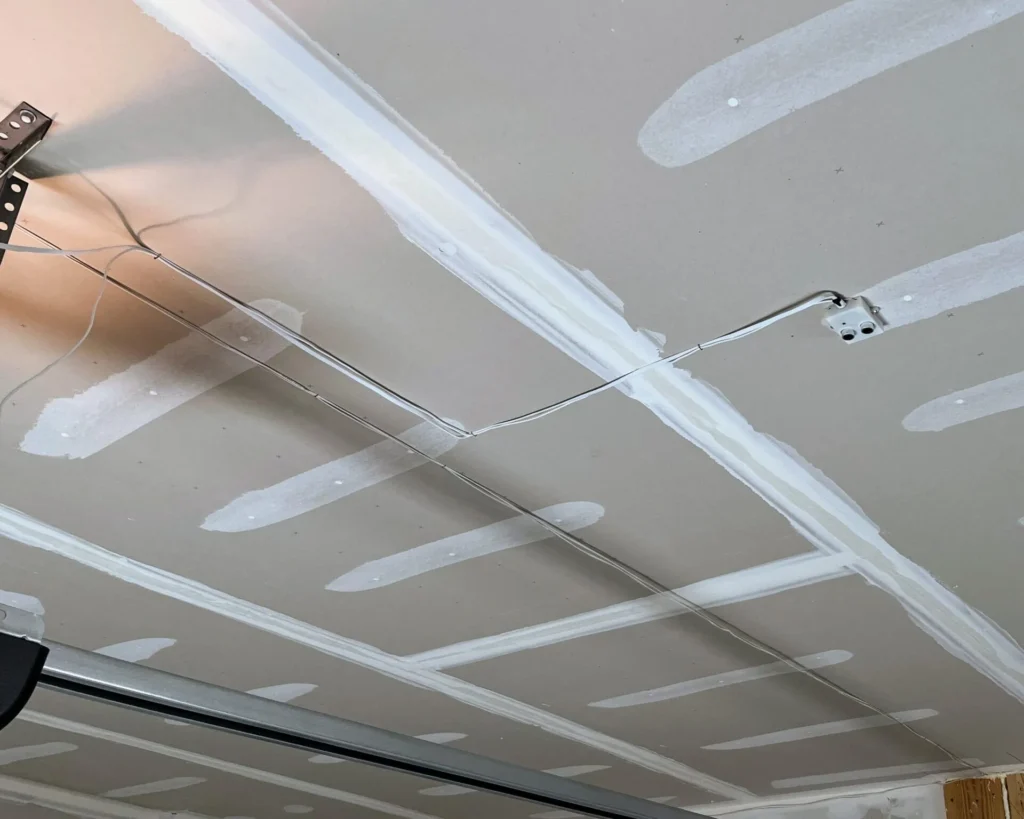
(931, 501)
(583, 679)
(917, 801)
(275, 534)
(775, 188)
(367, 662)
(227, 783)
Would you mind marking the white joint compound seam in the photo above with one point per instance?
(213, 763)
(73, 803)
(827, 54)
(449, 219)
(24, 529)
(970, 404)
(735, 587)
(86, 423)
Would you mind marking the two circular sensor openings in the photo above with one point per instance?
(856, 320)
(865, 328)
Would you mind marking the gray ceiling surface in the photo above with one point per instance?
(857, 508)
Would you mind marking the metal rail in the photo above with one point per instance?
(86, 674)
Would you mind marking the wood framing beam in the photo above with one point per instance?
(1015, 795)
(974, 799)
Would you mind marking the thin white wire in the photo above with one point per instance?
(823, 297)
(576, 542)
(92, 313)
(48, 251)
(453, 429)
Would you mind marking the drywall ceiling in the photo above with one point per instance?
(486, 226)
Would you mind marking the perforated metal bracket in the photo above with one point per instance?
(856, 320)
(20, 131)
(12, 194)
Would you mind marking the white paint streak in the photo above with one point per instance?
(437, 739)
(555, 814)
(25, 602)
(329, 482)
(431, 202)
(973, 275)
(22, 528)
(572, 771)
(297, 809)
(568, 772)
(243, 771)
(980, 401)
(878, 801)
(497, 537)
(72, 803)
(283, 693)
(11, 755)
(746, 584)
(105, 413)
(434, 205)
(446, 790)
(823, 729)
(160, 786)
(134, 651)
(800, 66)
(890, 772)
(659, 339)
(716, 681)
(442, 738)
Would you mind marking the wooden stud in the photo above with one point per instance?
(974, 799)
(1015, 795)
